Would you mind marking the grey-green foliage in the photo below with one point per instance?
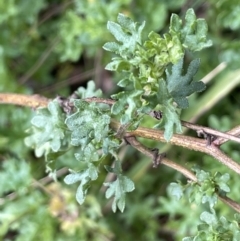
(119, 187)
(90, 91)
(10, 182)
(228, 14)
(89, 127)
(86, 129)
(84, 177)
(128, 33)
(218, 229)
(48, 131)
(206, 190)
(180, 87)
(14, 18)
(144, 64)
(193, 34)
(210, 186)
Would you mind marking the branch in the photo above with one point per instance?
(188, 174)
(220, 140)
(188, 142)
(150, 153)
(210, 131)
(36, 101)
(33, 101)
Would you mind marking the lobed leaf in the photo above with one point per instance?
(127, 103)
(176, 190)
(48, 131)
(84, 177)
(118, 188)
(90, 91)
(170, 118)
(89, 127)
(193, 35)
(127, 33)
(181, 86)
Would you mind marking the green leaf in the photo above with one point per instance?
(176, 190)
(179, 86)
(73, 178)
(48, 131)
(194, 34)
(171, 117)
(87, 123)
(117, 169)
(118, 188)
(127, 33)
(202, 175)
(15, 176)
(222, 181)
(90, 91)
(85, 177)
(164, 50)
(208, 218)
(89, 127)
(127, 103)
(119, 65)
(211, 185)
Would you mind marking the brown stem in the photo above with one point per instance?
(165, 161)
(188, 142)
(188, 174)
(220, 140)
(231, 203)
(210, 131)
(33, 101)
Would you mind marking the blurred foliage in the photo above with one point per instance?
(52, 47)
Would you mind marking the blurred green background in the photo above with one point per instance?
(53, 47)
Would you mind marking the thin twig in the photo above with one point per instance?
(188, 142)
(207, 78)
(165, 161)
(39, 62)
(55, 11)
(234, 205)
(220, 140)
(38, 184)
(210, 131)
(188, 174)
(100, 100)
(33, 101)
(72, 80)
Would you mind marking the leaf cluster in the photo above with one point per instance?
(145, 62)
(86, 130)
(206, 191)
(48, 130)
